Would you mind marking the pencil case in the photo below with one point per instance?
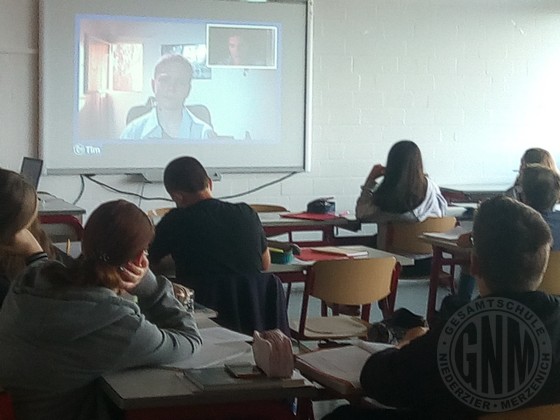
(281, 256)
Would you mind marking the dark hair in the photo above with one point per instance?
(172, 59)
(19, 203)
(540, 187)
(115, 233)
(404, 184)
(185, 174)
(512, 242)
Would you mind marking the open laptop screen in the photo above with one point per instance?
(31, 170)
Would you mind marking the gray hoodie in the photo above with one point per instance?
(55, 342)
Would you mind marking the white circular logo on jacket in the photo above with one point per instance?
(494, 354)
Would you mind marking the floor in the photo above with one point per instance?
(411, 294)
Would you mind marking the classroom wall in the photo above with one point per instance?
(474, 83)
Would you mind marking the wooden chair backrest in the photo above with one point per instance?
(551, 279)
(352, 281)
(403, 237)
(62, 227)
(267, 208)
(156, 214)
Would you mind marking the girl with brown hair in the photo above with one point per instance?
(82, 321)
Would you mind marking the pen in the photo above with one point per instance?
(68, 247)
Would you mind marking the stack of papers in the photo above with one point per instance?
(348, 251)
(450, 235)
(219, 345)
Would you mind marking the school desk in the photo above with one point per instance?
(158, 393)
(472, 193)
(49, 205)
(276, 224)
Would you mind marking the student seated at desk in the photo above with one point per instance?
(531, 156)
(539, 189)
(12, 264)
(220, 251)
(61, 328)
(206, 236)
(511, 248)
(406, 194)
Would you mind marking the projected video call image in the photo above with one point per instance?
(231, 45)
(149, 80)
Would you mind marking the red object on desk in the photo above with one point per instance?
(307, 254)
(311, 216)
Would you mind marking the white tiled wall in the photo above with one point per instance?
(474, 83)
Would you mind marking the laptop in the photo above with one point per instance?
(31, 170)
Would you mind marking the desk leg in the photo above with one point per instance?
(304, 409)
(434, 282)
(328, 235)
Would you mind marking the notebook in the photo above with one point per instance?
(31, 170)
(338, 368)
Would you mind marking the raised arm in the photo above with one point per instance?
(166, 332)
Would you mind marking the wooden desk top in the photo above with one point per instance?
(168, 387)
(51, 205)
(298, 266)
(152, 387)
(276, 219)
(445, 244)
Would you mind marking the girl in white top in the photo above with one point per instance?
(405, 194)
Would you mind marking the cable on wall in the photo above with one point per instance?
(142, 197)
(82, 189)
(268, 184)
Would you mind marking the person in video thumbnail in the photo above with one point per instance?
(169, 118)
(237, 48)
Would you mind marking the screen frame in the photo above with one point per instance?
(154, 172)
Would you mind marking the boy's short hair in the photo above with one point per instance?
(173, 58)
(512, 242)
(185, 174)
(540, 187)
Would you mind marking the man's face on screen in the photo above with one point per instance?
(237, 49)
(171, 86)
